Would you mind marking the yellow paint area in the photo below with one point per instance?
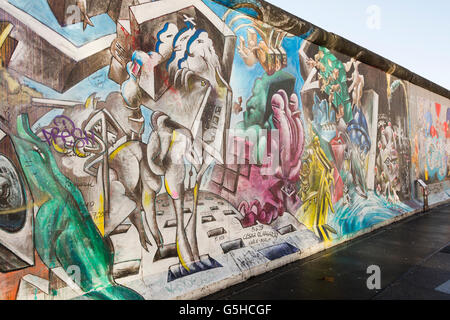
(26, 207)
(174, 136)
(89, 101)
(321, 229)
(167, 187)
(99, 218)
(147, 199)
(4, 35)
(15, 210)
(120, 148)
(181, 258)
(317, 180)
(79, 153)
(196, 192)
(59, 149)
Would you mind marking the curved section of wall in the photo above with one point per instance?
(201, 143)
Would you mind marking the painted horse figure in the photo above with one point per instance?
(65, 234)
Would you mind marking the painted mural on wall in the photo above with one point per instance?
(431, 127)
(148, 150)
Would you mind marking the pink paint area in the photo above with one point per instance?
(136, 68)
(264, 198)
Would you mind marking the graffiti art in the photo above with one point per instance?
(149, 149)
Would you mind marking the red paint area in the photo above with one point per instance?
(9, 282)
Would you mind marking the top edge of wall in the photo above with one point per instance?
(266, 12)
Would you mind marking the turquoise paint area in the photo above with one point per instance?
(147, 114)
(40, 10)
(242, 76)
(98, 83)
(363, 213)
(222, 6)
(46, 120)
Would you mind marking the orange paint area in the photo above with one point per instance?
(9, 282)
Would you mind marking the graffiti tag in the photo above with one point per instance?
(64, 136)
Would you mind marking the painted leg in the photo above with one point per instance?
(191, 229)
(174, 183)
(148, 203)
(151, 184)
(136, 219)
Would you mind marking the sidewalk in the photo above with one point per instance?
(413, 255)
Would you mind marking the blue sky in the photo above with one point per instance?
(414, 34)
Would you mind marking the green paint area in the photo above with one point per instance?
(258, 113)
(259, 110)
(334, 75)
(65, 234)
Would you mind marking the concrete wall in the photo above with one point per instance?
(222, 140)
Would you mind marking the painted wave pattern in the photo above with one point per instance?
(364, 213)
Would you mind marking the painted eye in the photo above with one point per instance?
(36, 149)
